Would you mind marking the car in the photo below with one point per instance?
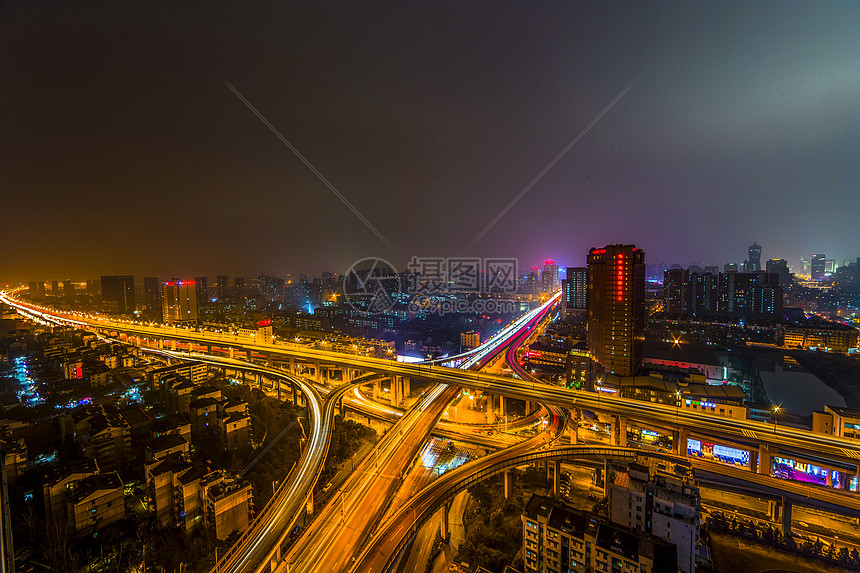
(327, 487)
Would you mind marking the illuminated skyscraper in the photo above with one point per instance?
(574, 291)
(817, 266)
(152, 293)
(616, 307)
(179, 302)
(118, 294)
(754, 260)
(222, 288)
(202, 290)
(780, 267)
(549, 277)
(676, 291)
(239, 285)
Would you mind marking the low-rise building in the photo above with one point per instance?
(97, 374)
(831, 337)
(234, 431)
(102, 435)
(558, 537)
(662, 500)
(837, 421)
(96, 503)
(14, 459)
(544, 356)
(57, 487)
(196, 372)
(166, 445)
(229, 507)
(162, 481)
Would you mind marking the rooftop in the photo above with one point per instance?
(684, 352)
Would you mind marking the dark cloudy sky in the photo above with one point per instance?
(121, 150)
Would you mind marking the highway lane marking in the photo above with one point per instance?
(851, 454)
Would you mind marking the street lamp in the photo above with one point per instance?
(775, 417)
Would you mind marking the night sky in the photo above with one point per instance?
(123, 150)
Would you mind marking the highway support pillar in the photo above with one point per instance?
(278, 386)
(508, 483)
(392, 390)
(619, 431)
(773, 510)
(573, 431)
(786, 518)
(573, 426)
(679, 441)
(230, 352)
(173, 345)
(407, 387)
(556, 481)
(317, 373)
(376, 389)
(292, 365)
(161, 346)
(753, 465)
(764, 459)
(445, 507)
(501, 405)
(244, 377)
(275, 559)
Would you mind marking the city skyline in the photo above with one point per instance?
(480, 286)
(737, 123)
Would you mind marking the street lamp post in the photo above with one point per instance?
(775, 417)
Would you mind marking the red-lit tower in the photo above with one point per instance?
(616, 308)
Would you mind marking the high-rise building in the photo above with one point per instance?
(549, 276)
(750, 294)
(704, 293)
(239, 287)
(532, 282)
(574, 291)
(202, 290)
(730, 268)
(179, 302)
(152, 293)
(55, 288)
(676, 291)
(779, 267)
(272, 288)
(829, 266)
(118, 294)
(616, 307)
(754, 260)
(222, 288)
(93, 288)
(817, 266)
